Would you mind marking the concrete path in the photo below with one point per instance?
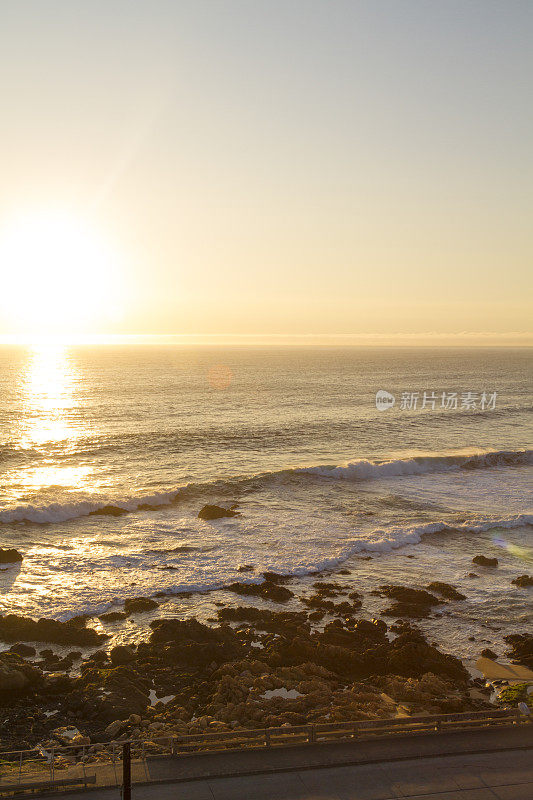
(337, 753)
(491, 776)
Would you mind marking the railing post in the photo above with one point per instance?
(52, 763)
(114, 762)
(267, 737)
(20, 767)
(143, 757)
(83, 765)
(126, 771)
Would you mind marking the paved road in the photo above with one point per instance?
(490, 776)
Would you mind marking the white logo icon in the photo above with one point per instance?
(384, 400)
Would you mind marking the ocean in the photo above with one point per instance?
(108, 453)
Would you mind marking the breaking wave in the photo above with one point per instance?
(420, 465)
(359, 470)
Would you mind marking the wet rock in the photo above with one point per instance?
(10, 556)
(209, 512)
(488, 653)
(137, 605)
(246, 568)
(523, 581)
(267, 590)
(415, 603)
(445, 590)
(483, 561)
(19, 629)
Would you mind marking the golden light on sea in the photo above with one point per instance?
(49, 386)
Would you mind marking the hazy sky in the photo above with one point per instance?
(270, 167)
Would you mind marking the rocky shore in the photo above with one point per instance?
(252, 667)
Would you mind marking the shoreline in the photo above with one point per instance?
(272, 655)
(492, 607)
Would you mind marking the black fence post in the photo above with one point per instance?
(126, 771)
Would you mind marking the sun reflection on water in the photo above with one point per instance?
(49, 419)
(47, 387)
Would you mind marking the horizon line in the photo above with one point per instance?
(429, 338)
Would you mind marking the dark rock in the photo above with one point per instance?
(446, 590)
(23, 649)
(16, 629)
(192, 644)
(521, 648)
(488, 653)
(128, 693)
(246, 568)
(355, 595)
(10, 556)
(17, 677)
(121, 654)
(523, 581)
(216, 512)
(138, 604)
(325, 589)
(483, 561)
(415, 603)
(319, 603)
(276, 577)
(284, 622)
(98, 657)
(109, 511)
(267, 590)
(112, 616)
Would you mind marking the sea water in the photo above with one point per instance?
(108, 453)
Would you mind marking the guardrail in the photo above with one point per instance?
(43, 769)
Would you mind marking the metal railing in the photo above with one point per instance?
(71, 766)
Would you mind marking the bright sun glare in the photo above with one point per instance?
(60, 277)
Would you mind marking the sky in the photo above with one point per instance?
(255, 170)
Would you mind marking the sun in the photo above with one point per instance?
(60, 277)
